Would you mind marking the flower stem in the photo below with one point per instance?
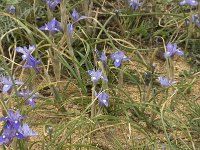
(104, 83)
(93, 111)
(171, 69)
(121, 76)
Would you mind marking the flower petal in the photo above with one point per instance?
(7, 88)
(117, 63)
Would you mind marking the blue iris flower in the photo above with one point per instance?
(8, 84)
(31, 62)
(165, 82)
(102, 98)
(101, 57)
(53, 26)
(7, 134)
(13, 118)
(195, 20)
(189, 2)
(26, 131)
(70, 30)
(96, 75)
(118, 57)
(29, 96)
(52, 4)
(25, 51)
(172, 50)
(76, 17)
(14, 129)
(135, 4)
(11, 9)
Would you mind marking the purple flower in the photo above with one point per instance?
(165, 82)
(32, 63)
(118, 57)
(102, 98)
(25, 51)
(8, 85)
(189, 2)
(11, 9)
(135, 4)
(29, 96)
(30, 60)
(76, 17)
(13, 118)
(172, 50)
(96, 76)
(101, 57)
(52, 4)
(18, 135)
(195, 20)
(7, 134)
(53, 26)
(13, 128)
(26, 131)
(70, 30)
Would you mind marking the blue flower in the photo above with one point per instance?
(53, 26)
(102, 98)
(96, 75)
(135, 4)
(11, 9)
(7, 134)
(189, 2)
(29, 96)
(101, 57)
(52, 4)
(18, 135)
(25, 51)
(165, 82)
(13, 118)
(31, 62)
(118, 57)
(13, 128)
(26, 131)
(195, 20)
(76, 17)
(70, 30)
(8, 85)
(172, 50)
